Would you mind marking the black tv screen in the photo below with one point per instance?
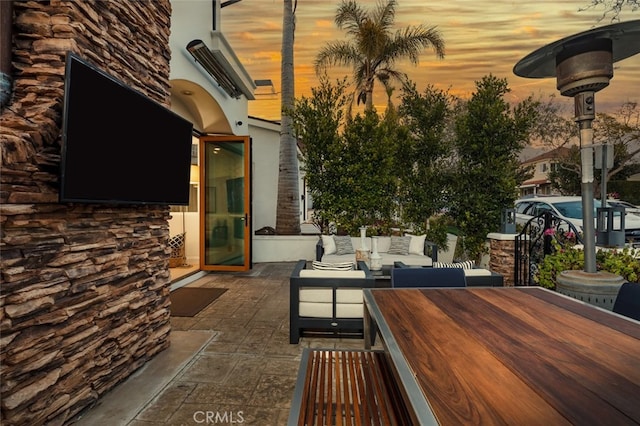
(118, 145)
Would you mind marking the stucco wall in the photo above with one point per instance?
(85, 288)
(265, 148)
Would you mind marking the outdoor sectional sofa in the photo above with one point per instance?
(327, 301)
(421, 252)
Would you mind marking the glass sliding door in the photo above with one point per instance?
(225, 203)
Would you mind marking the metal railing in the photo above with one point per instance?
(535, 241)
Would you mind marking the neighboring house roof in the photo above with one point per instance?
(540, 176)
(553, 154)
(264, 120)
(535, 182)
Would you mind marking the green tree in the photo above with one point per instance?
(367, 181)
(348, 163)
(422, 160)
(372, 49)
(317, 123)
(489, 135)
(288, 205)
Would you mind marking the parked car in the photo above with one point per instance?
(569, 208)
(628, 207)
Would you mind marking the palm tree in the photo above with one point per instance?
(373, 49)
(288, 210)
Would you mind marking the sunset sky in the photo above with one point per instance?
(481, 37)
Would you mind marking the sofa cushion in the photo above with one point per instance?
(407, 259)
(383, 244)
(315, 310)
(343, 244)
(350, 310)
(316, 302)
(320, 273)
(399, 245)
(387, 259)
(416, 246)
(477, 272)
(328, 244)
(349, 295)
(325, 310)
(315, 295)
(324, 295)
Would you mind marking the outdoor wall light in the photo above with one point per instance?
(583, 64)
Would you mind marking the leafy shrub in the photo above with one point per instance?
(624, 262)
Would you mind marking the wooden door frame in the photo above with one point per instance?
(246, 140)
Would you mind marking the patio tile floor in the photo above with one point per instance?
(231, 362)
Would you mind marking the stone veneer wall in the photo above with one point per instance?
(84, 290)
(502, 257)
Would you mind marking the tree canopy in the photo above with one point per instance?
(489, 135)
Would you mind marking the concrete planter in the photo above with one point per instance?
(599, 289)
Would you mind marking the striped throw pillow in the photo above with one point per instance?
(326, 266)
(469, 264)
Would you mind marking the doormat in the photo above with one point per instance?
(188, 301)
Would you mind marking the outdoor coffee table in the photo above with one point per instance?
(383, 276)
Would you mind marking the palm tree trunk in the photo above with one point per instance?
(368, 105)
(288, 210)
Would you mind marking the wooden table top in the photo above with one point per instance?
(514, 356)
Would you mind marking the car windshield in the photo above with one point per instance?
(573, 209)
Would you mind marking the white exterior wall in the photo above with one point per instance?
(212, 111)
(264, 164)
(191, 20)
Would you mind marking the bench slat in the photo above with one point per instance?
(354, 384)
(347, 388)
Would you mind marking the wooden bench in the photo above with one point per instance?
(347, 387)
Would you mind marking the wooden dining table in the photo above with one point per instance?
(509, 356)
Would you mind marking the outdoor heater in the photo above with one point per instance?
(583, 65)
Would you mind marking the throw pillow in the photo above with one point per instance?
(399, 245)
(417, 244)
(343, 244)
(326, 266)
(176, 243)
(469, 264)
(328, 244)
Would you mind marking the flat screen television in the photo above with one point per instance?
(118, 145)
